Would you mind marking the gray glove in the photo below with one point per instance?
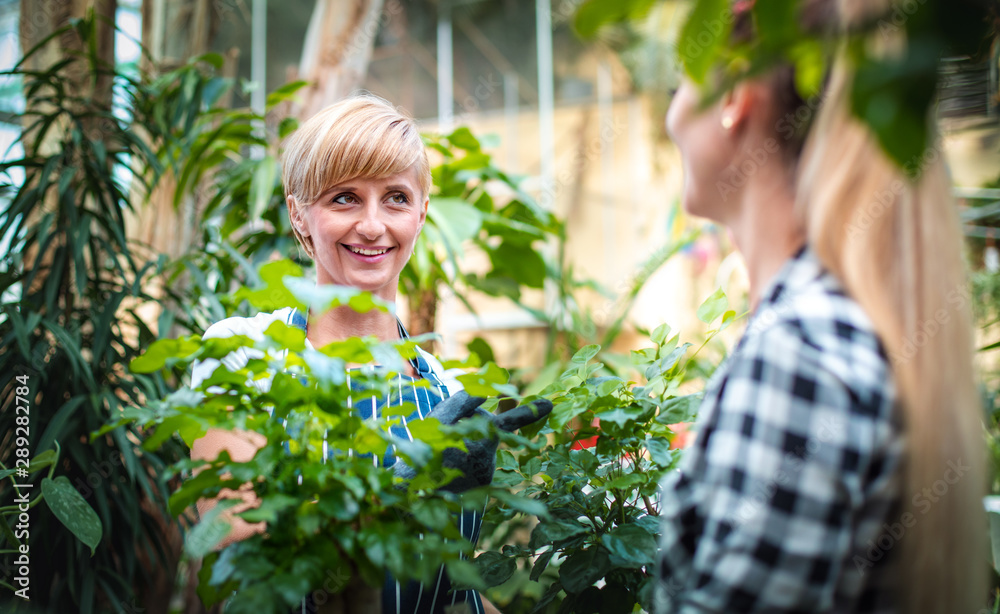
(479, 463)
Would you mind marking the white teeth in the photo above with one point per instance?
(368, 252)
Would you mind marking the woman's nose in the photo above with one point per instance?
(371, 225)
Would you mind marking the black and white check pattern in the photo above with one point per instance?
(795, 468)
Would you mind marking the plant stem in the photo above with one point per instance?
(649, 505)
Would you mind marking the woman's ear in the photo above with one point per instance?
(423, 211)
(295, 216)
(736, 106)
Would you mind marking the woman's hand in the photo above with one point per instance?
(242, 446)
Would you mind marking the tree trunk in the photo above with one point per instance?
(423, 312)
(356, 598)
(337, 50)
(40, 18)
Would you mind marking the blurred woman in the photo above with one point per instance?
(838, 464)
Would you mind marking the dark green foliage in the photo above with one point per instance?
(326, 514)
(71, 283)
(601, 495)
(596, 511)
(474, 201)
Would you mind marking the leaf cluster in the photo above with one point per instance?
(609, 444)
(71, 283)
(328, 500)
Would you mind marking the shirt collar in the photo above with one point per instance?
(797, 271)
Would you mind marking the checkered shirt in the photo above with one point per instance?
(780, 503)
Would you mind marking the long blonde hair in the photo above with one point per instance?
(895, 243)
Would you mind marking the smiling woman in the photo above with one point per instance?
(362, 232)
(356, 180)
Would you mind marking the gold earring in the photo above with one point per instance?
(727, 122)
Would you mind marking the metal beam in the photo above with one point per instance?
(445, 69)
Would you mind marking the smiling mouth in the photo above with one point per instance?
(378, 251)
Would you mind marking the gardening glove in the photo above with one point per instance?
(479, 463)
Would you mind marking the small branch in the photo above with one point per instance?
(649, 505)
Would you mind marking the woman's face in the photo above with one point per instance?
(706, 150)
(363, 231)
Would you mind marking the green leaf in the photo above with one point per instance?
(269, 508)
(776, 20)
(208, 591)
(660, 334)
(495, 568)
(321, 298)
(583, 568)
(457, 220)
(630, 546)
(521, 503)
(274, 294)
(481, 348)
(563, 412)
(163, 351)
(703, 35)
(73, 511)
(464, 575)
(432, 514)
(211, 529)
(627, 482)
(555, 531)
(585, 354)
(810, 67)
(621, 416)
(284, 93)
(289, 337)
(679, 409)
(463, 138)
(894, 96)
(42, 461)
(523, 264)
(713, 307)
(659, 451)
(595, 14)
(995, 538)
(489, 381)
(471, 161)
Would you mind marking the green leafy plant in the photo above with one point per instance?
(71, 284)
(61, 497)
(208, 149)
(603, 525)
(327, 513)
(474, 205)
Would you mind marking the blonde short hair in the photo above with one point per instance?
(362, 136)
